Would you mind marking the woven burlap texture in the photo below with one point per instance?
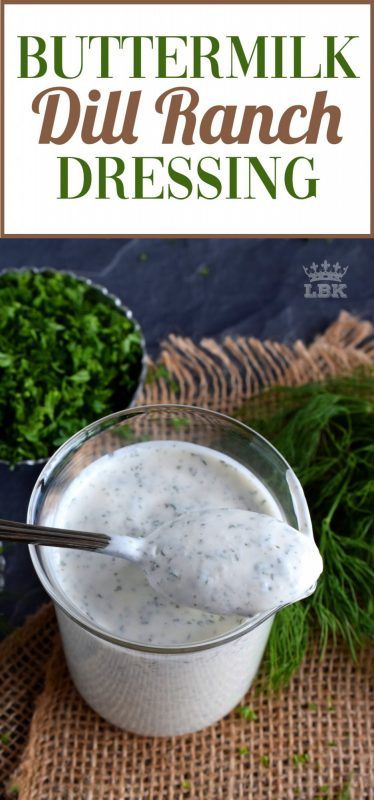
(306, 743)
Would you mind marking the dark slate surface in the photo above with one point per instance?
(194, 287)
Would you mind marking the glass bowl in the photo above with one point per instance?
(149, 689)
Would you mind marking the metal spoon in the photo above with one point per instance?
(226, 561)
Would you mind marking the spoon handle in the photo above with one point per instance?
(57, 537)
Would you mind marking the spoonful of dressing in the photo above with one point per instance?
(231, 561)
(226, 561)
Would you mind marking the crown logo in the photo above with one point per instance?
(325, 272)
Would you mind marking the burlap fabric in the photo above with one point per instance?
(311, 741)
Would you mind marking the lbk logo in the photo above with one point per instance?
(325, 281)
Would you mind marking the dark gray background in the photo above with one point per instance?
(254, 286)
(194, 287)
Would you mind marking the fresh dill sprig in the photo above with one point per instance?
(325, 431)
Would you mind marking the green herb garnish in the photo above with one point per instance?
(246, 712)
(67, 357)
(13, 791)
(179, 422)
(345, 792)
(204, 271)
(323, 791)
(325, 431)
(158, 372)
(300, 758)
(243, 750)
(265, 761)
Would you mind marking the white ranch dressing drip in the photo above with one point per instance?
(137, 489)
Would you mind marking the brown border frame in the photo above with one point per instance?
(4, 235)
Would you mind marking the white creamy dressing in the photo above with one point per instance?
(141, 487)
(231, 561)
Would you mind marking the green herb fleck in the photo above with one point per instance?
(300, 758)
(345, 792)
(312, 707)
(246, 712)
(160, 372)
(322, 793)
(4, 738)
(204, 271)
(265, 761)
(179, 422)
(186, 785)
(243, 750)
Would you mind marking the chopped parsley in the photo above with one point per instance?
(246, 712)
(323, 793)
(179, 422)
(300, 758)
(204, 271)
(68, 355)
(345, 793)
(13, 791)
(158, 372)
